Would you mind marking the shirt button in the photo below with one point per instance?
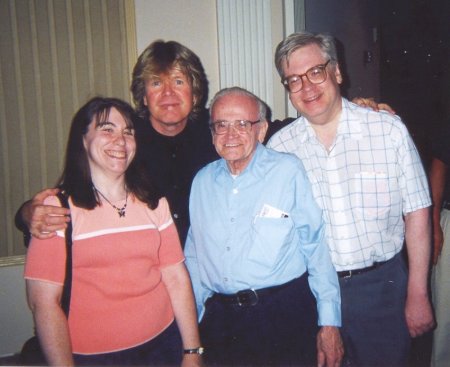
(228, 248)
(175, 215)
(174, 155)
(225, 279)
(235, 191)
(232, 220)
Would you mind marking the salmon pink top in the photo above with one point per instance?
(118, 298)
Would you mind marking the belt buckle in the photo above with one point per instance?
(247, 297)
(349, 274)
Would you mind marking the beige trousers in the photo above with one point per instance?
(440, 283)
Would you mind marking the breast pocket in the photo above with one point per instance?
(371, 195)
(269, 237)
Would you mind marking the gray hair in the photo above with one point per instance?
(262, 106)
(298, 40)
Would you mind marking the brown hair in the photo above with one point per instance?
(160, 57)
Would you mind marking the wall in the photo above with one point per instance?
(190, 22)
(15, 317)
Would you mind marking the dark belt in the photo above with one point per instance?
(352, 273)
(249, 297)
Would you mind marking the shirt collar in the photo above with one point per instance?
(349, 124)
(253, 168)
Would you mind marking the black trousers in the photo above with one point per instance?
(163, 350)
(280, 329)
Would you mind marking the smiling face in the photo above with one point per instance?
(170, 100)
(110, 146)
(319, 103)
(235, 147)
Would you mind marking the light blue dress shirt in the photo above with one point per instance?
(259, 229)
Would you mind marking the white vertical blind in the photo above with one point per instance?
(245, 46)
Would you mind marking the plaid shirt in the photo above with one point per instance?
(371, 177)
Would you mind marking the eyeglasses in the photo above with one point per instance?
(316, 75)
(242, 126)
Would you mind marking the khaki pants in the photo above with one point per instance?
(440, 283)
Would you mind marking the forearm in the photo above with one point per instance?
(51, 323)
(20, 219)
(41, 220)
(418, 310)
(182, 299)
(418, 243)
(53, 332)
(438, 173)
(21, 224)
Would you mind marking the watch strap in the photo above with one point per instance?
(199, 350)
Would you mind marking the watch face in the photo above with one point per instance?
(201, 350)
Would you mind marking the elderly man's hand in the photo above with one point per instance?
(44, 220)
(370, 103)
(330, 349)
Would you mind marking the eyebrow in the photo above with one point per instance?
(109, 123)
(104, 123)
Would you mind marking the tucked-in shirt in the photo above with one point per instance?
(173, 161)
(118, 299)
(369, 178)
(257, 230)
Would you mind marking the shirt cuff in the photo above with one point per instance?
(329, 314)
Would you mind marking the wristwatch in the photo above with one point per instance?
(199, 350)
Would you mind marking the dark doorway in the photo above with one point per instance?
(415, 64)
(396, 51)
(355, 25)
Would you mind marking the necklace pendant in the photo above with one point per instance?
(120, 211)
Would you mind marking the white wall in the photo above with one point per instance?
(192, 23)
(16, 324)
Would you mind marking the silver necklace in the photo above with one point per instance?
(120, 211)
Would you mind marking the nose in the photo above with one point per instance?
(232, 129)
(120, 139)
(306, 84)
(167, 87)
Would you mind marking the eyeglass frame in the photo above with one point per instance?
(323, 67)
(234, 123)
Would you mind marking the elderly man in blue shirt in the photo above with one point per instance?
(265, 287)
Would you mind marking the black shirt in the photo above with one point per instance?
(173, 161)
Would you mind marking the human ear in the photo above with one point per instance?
(338, 74)
(262, 130)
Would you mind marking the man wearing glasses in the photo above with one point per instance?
(261, 271)
(367, 177)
